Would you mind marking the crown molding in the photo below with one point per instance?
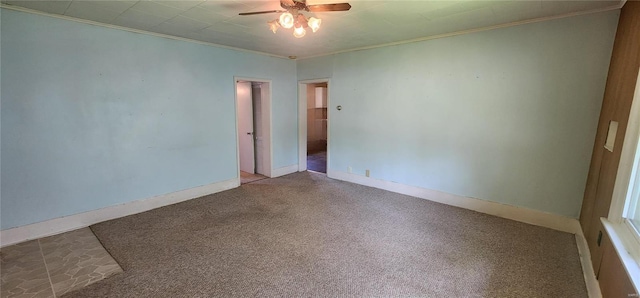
(431, 37)
(88, 22)
(456, 33)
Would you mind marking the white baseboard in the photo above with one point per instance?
(593, 287)
(530, 216)
(539, 218)
(284, 171)
(85, 219)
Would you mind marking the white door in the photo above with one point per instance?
(245, 127)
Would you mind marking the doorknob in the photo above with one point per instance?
(250, 133)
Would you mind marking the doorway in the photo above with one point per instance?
(253, 110)
(314, 125)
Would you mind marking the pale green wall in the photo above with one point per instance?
(94, 117)
(506, 115)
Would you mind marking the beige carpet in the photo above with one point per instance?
(305, 235)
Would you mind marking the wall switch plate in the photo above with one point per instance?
(366, 173)
(611, 135)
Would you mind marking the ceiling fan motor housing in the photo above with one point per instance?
(297, 5)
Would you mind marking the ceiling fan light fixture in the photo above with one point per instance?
(290, 16)
(299, 32)
(300, 19)
(314, 23)
(286, 20)
(273, 26)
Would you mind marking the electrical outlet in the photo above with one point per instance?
(349, 169)
(366, 173)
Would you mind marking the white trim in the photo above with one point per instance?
(302, 120)
(237, 123)
(456, 33)
(329, 112)
(267, 112)
(530, 216)
(628, 158)
(284, 171)
(593, 287)
(302, 126)
(111, 26)
(623, 237)
(85, 219)
(536, 20)
(628, 251)
(266, 121)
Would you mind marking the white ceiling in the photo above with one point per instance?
(368, 23)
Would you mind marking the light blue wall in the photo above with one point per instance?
(506, 115)
(94, 117)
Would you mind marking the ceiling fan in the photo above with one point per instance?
(292, 18)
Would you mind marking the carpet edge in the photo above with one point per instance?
(80, 220)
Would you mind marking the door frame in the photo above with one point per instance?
(267, 153)
(246, 116)
(302, 121)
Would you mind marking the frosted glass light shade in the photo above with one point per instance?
(299, 32)
(273, 26)
(314, 23)
(286, 20)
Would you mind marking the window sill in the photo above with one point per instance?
(626, 247)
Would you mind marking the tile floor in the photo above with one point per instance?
(248, 177)
(317, 162)
(53, 266)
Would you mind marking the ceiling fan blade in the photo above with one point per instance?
(329, 7)
(259, 12)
